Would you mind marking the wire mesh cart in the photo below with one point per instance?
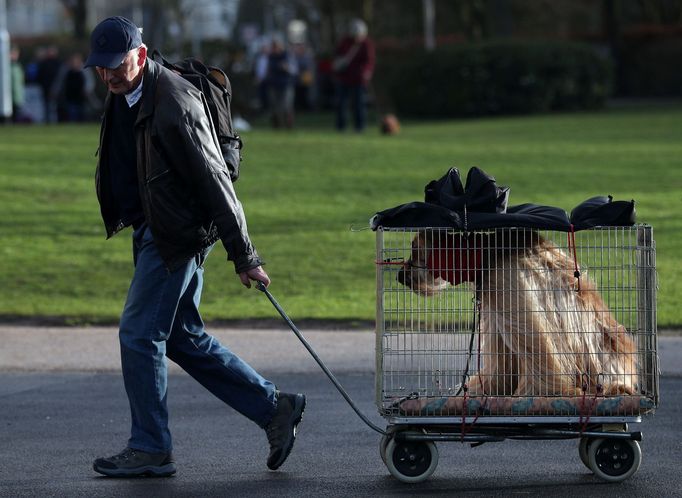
(515, 333)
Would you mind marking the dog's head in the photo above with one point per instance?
(415, 273)
(437, 258)
(390, 124)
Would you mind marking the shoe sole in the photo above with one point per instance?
(147, 470)
(296, 417)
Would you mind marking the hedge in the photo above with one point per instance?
(496, 78)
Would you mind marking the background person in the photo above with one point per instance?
(260, 74)
(305, 79)
(353, 66)
(48, 69)
(282, 71)
(17, 83)
(160, 171)
(71, 90)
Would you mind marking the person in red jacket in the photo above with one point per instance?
(353, 66)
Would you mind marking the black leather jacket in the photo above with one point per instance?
(187, 196)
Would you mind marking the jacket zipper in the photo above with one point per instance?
(157, 176)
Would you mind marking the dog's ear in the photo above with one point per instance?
(420, 239)
(419, 245)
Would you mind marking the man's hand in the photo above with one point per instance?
(256, 273)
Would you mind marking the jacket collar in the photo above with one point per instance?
(148, 100)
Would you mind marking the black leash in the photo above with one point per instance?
(474, 329)
(261, 287)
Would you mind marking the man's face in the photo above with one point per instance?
(127, 76)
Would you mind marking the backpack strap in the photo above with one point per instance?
(157, 56)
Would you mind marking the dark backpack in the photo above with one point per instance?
(215, 85)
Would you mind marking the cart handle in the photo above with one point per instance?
(261, 287)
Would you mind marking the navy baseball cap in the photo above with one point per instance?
(111, 40)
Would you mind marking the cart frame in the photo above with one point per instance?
(408, 448)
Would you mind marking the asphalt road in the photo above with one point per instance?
(52, 427)
(54, 422)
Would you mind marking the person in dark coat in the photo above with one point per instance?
(48, 70)
(72, 90)
(281, 77)
(160, 170)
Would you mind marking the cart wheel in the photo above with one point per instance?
(613, 459)
(583, 447)
(410, 461)
(382, 446)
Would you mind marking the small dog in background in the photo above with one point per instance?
(390, 124)
(543, 331)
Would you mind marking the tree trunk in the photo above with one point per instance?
(80, 16)
(429, 24)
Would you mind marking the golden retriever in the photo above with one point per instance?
(544, 328)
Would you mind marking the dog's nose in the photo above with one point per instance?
(402, 275)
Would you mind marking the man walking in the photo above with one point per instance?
(160, 171)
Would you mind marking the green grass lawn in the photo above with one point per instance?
(303, 191)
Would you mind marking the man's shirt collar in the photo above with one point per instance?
(133, 97)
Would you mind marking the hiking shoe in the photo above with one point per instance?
(132, 463)
(281, 430)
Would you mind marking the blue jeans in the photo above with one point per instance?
(358, 95)
(161, 319)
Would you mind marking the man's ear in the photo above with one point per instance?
(141, 55)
